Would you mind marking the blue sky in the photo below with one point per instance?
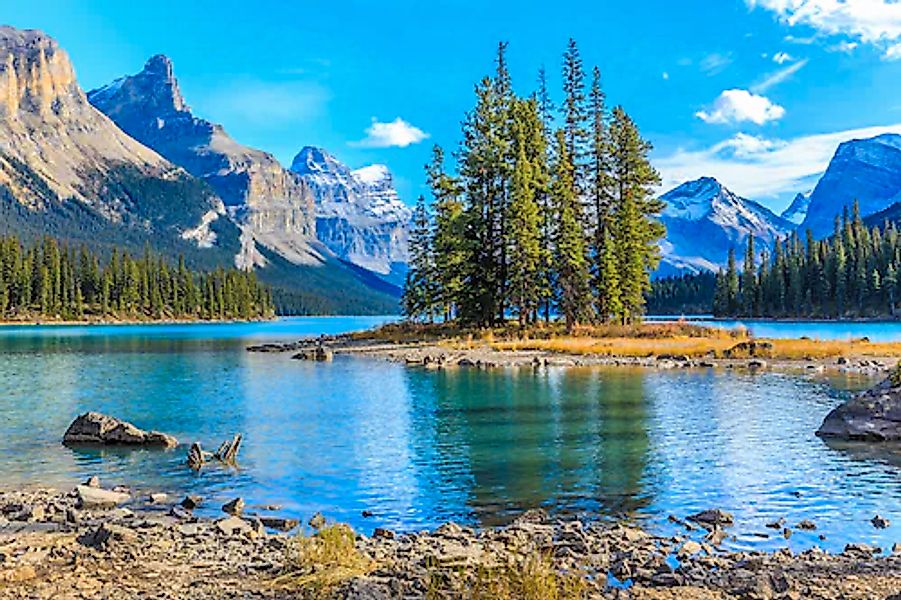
(755, 92)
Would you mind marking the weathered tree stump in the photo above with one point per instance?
(228, 451)
(195, 456)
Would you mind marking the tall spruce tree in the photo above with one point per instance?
(570, 260)
(419, 289)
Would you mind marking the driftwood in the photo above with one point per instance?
(226, 454)
(228, 451)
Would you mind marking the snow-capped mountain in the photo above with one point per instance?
(704, 219)
(359, 215)
(797, 210)
(868, 171)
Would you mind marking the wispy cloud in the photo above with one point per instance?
(737, 106)
(758, 167)
(715, 63)
(266, 103)
(777, 77)
(876, 22)
(393, 134)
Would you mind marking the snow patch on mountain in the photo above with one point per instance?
(704, 219)
(797, 210)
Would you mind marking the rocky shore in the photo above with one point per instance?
(74, 544)
(436, 356)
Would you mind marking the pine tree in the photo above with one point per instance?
(571, 262)
(418, 298)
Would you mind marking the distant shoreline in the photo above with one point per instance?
(61, 322)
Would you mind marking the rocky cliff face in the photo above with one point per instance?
(56, 149)
(272, 205)
(868, 171)
(359, 215)
(704, 219)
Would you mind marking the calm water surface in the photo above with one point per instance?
(419, 447)
(877, 331)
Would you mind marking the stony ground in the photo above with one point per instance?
(67, 544)
(430, 355)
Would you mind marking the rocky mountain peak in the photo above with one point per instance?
(36, 75)
(865, 170)
(154, 88)
(315, 161)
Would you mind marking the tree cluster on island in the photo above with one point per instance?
(547, 211)
(50, 280)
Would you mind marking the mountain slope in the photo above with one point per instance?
(358, 213)
(797, 210)
(67, 170)
(868, 171)
(271, 204)
(703, 220)
(63, 162)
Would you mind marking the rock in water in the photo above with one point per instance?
(874, 415)
(97, 428)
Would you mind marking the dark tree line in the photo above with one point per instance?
(682, 294)
(547, 211)
(853, 273)
(54, 281)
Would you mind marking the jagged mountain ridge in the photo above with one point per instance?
(60, 158)
(270, 204)
(69, 171)
(704, 219)
(867, 171)
(359, 215)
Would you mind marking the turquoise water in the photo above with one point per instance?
(417, 448)
(876, 331)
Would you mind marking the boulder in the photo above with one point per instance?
(97, 428)
(712, 517)
(279, 523)
(234, 507)
(874, 415)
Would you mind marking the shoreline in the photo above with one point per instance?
(54, 542)
(440, 355)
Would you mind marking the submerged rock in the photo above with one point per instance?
(97, 428)
(874, 415)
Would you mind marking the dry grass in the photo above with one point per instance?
(534, 577)
(644, 340)
(317, 564)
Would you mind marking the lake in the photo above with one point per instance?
(876, 331)
(417, 448)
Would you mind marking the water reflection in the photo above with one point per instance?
(417, 447)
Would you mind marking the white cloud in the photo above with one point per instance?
(782, 58)
(843, 46)
(774, 79)
(875, 22)
(893, 52)
(757, 167)
(715, 63)
(394, 134)
(665, 76)
(736, 106)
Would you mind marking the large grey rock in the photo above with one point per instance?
(97, 428)
(91, 497)
(874, 415)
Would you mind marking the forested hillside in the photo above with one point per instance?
(49, 280)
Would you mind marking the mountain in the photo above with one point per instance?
(359, 215)
(704, 219)
(797, 210)
(69, 171)
(867, 170)
(272, 206)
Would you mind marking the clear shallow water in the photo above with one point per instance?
(419, 447)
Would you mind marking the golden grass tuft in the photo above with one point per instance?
(318, 563)
(532, 578)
